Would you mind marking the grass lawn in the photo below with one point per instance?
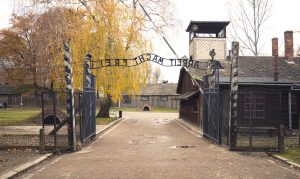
(292, 154)
(17, 116)
(105, 121)
(152, 110)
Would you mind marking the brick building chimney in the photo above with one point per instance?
(289, 45)
(275, 55)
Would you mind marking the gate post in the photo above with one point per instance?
(87, 81)
(88, 127)
(233, 95)
(70, 96)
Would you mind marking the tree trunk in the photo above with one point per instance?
(104, 107)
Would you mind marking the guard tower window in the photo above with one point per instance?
(222, 34)
(207, 29)
(205, 35)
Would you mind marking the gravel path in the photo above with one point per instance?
(148, 145)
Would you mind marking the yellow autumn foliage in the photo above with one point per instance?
(105, 38)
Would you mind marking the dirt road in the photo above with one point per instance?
(147, 145)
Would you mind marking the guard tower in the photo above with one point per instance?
(207, 35)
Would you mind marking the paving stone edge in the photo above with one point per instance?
(188, 126)
(109, 126)
(284, 160)
(14, 172)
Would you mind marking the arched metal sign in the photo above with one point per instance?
(125, 62)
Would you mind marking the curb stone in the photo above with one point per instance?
(9, 174)
(14, 172)
(285, 160)
(185, 124)
(109, 126)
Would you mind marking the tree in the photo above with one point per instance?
(248, 19)
(13, 57)
(156, 75)
(112, 35)
(29, 56)
(59, 24)
(19, 45)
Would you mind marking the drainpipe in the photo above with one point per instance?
(290, 108)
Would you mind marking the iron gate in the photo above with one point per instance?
(211, 123)
(88, 124)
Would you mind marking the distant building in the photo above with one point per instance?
(9, 95)
(153, 96)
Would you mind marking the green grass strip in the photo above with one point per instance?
(105, 121)
(17, 116)
(292, 154)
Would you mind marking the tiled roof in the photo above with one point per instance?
(258, 70)
(159, 89)
(187, 95)
(207, 26)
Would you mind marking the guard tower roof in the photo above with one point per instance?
(207, 26)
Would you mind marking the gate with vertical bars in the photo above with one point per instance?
(88, 124)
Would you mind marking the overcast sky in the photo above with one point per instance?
(284, 16)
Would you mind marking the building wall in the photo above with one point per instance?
(11, 100)
(153, 102)
(275, 102)
(190, 110)
(200, 47)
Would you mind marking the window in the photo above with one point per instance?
(256, 104)
(145, 98)
(126, 99)
(163, 98)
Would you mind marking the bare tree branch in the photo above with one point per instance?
(247, 22)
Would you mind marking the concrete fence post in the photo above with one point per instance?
(120, 114)
(281, 138)
(42, 141)
(299, 130)
(233, 108)
(70, 96)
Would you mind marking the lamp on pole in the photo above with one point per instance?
(214, 66)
